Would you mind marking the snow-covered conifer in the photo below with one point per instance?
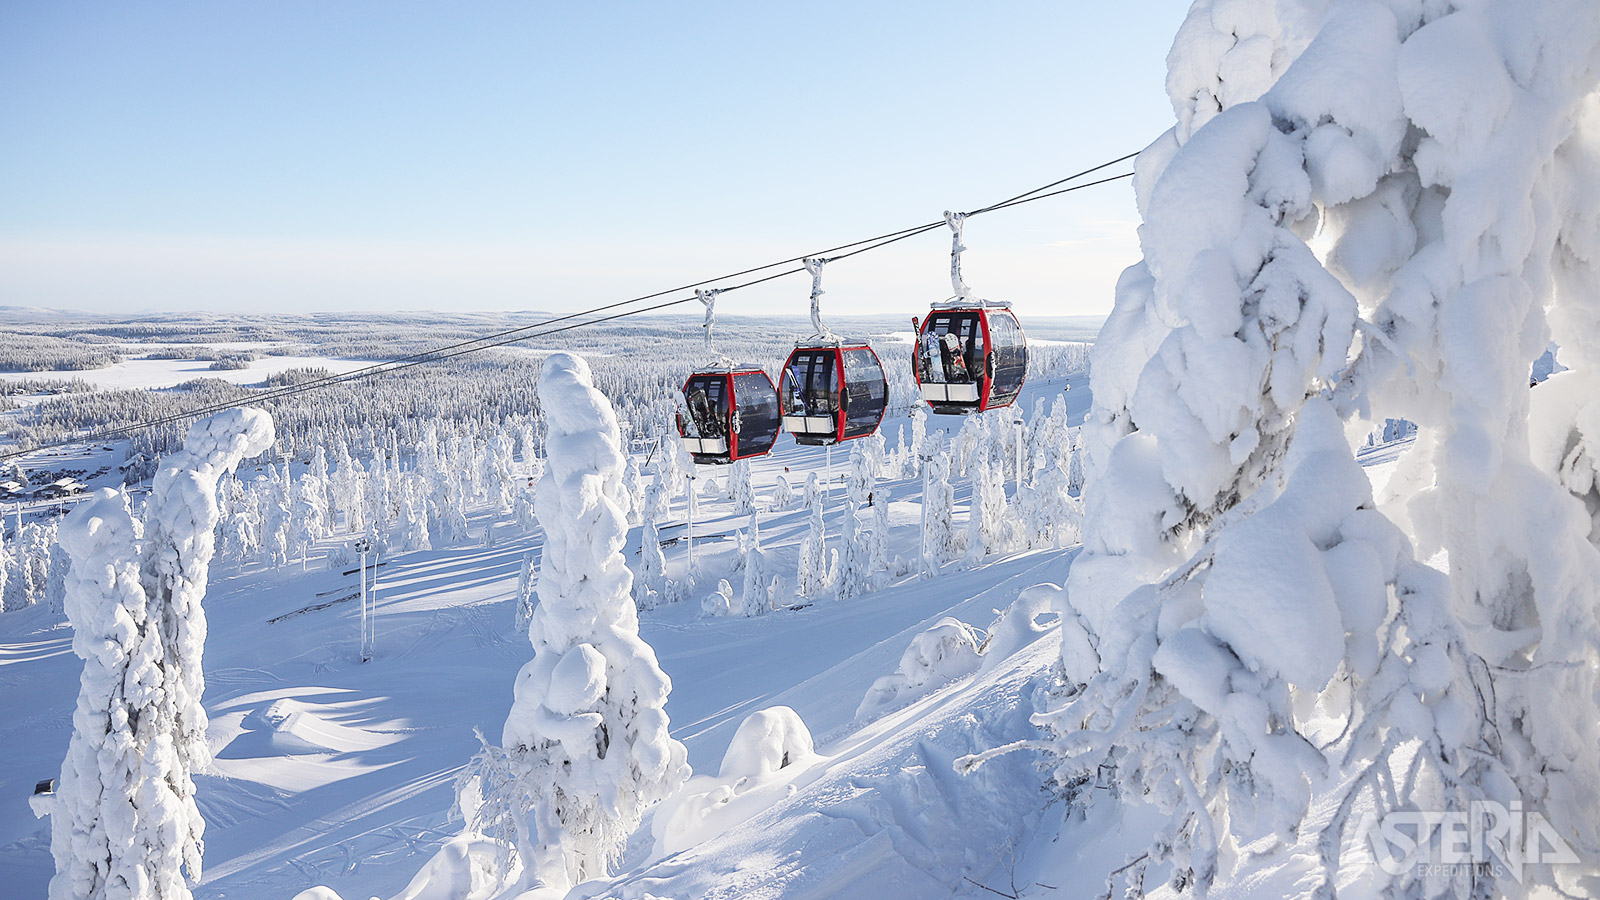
(855, 564)
(5, 568)
(175, 559)
(940, 537)
(1235, 560)
(782, 495)
(118, 808)
(863, 473)
(633, 490)
(878, 537)
(988, 516)
(818, 567)
(755, 598)
(650, 584)
(527, 586)
(414, 518)
(585, 747)
(740, 490)
(321, 494)
(919, 435)
(309, 525)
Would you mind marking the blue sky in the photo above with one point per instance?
(302, 156)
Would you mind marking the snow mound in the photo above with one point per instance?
(951, 650)
(943, 653)
(288, 727)
(767, 741)
(769, 751)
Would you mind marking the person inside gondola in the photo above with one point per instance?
(932, 348)
(708, 424)
(954, 358)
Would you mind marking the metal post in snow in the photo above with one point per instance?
(372, 606)
(927, 563)
(690, 575)
(363, 545)
(1018, 422)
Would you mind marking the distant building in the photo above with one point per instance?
(61, 487)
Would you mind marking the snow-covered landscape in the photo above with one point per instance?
(1280, 579)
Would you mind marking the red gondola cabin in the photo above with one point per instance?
(832, 392)
(732, 414)
(969, 359)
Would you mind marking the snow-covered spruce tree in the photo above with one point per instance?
(309, 517)
(1238, 581)
(855, 563)
(938, 516)
(650, 585)
(818, 567)
(812, 495)
(124, 823)
(782, 495)
(740, 490)
(755, 598)
(634, 488)
(5, 568)
(989, 515)
(180, 523)
(527, 591)
(914, 450)
(116, 810)
(863, 473)
(585, 748)
(321, 487)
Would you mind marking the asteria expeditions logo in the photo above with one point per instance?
(1487, 837)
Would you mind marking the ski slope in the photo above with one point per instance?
(329, 771)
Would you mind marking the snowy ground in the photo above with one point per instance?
(331, 771)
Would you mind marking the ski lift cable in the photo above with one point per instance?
(519, 334)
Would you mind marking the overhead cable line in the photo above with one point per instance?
(522, 332)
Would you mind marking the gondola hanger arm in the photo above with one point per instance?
(708, 298)
(814, 268)
(955, 220)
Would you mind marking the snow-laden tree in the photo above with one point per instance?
(650, 584)
(855, 563)
(125, 823)
(634, 490)
(817, 570)
(347, 490)
(1240, 586)
(180, 523)
(5, 568)
(276, 518)
(501, 477)
(740, 490)
(989, 515)
(812, 495)
(863, 473)
(919, 436)
(414, 517)
(117, 807)
(527, 591)
(320, 493)
(308, 516)
(782, 495)
(585, 748)
(756, 596)
(878, 538)
(940, 538)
